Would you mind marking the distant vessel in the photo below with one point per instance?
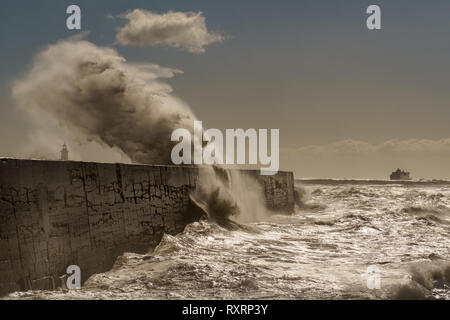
(400, 175)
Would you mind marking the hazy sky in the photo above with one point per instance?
(310, 68)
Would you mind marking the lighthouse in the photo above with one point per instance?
(64, 153)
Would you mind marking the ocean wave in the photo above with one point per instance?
(427, 280)
(301, 195)
(339, 182)
(355, 192)
(421, 195)
(320, 252)
(439, 214)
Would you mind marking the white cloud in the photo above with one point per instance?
(186, 30)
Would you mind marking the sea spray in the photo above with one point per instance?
(227, 195)
(88, 93)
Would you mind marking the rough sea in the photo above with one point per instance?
(344, 241)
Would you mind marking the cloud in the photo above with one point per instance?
(394, 147)
(186, 30)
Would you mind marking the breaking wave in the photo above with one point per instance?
(88, 94)
(426, 280)
(435, 214)
(229, 197)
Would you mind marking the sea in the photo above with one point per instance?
(345, 240)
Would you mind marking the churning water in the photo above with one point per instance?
(323, 251)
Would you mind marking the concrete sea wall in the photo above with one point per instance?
(54, 214)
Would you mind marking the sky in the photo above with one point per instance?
(349, 102)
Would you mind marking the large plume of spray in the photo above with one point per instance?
(92, 94)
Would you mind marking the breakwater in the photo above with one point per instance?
(58, 213)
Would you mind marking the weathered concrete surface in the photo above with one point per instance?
(278, 190)
(54, 214)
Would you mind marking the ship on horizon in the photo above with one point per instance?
(400, 175)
